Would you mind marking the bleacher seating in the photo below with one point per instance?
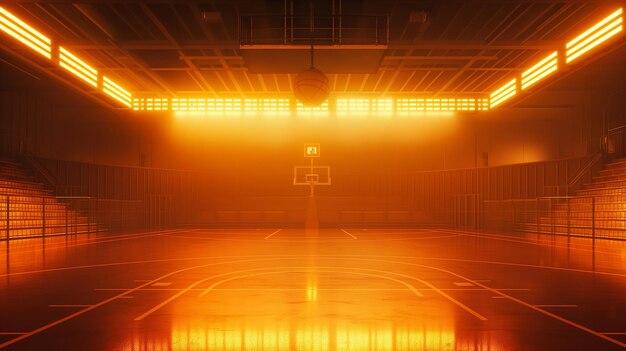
(33, 210)
(606, 193)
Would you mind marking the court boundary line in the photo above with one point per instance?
(193, 285)
(345, 231)
(362, 258)
(437, 290)
(273, 233)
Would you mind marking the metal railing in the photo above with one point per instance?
(600, 216)
(280, 29)
(31, 216)
(616, 141)
(583, 175)
(467, 209)
(25, 216)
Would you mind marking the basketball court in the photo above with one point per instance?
(312, 175)
(283, 289)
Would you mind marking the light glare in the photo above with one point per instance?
(594, 36)
(25, 33)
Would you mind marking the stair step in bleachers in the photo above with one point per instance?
(32, 206)
(603, 198)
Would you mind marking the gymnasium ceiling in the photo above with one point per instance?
(435, 48)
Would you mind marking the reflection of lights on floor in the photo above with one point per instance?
(340, 336)
(311, 292)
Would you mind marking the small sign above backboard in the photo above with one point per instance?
(311, 150)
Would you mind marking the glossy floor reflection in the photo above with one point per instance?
(337, 289)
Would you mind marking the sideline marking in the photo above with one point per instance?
(463, 284)
(345, 231)
(269, 236)
(158, 284)
(304, 289)
(123, 295)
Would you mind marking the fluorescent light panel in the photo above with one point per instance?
(78, 67)
(267, 105)
(437, 104)
(322, 108)
(595, 35)
(116, 91)
(151, 104)
(542, 69)
(503, 93)
(26, 34)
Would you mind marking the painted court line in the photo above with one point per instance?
(535, 308)
(345, 231)
(92, 307)
(277, 270)
(158, 284)
(269, 236)
(296, 289)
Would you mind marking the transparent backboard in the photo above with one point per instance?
(305, 175)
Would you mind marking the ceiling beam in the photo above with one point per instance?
(423, 45)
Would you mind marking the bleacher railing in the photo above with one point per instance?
(597, 217)
(28, 216)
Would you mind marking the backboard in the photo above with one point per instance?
(305, 175)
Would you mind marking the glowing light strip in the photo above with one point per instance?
(437, 104)
(546, 72)
(539, 71)
(322, 108)
(208, 105)
(343, 105)
(382, 105)
(151, 104)
(78, 67)
(594, 28)
(578, 51)
(116, 91)
(504, 93)
(25, 33)
(540, 64)
(505, 88)
(267, 105)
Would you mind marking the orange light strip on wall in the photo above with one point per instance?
(595, 35)
(437, 104)
(116, 91)
(382, 105)
(503, 93)
(482, 104)
(25, 33)
(267, 105)
(151, 104)
(78, 67)
(322, 108)
(542, 69)
(206, 105)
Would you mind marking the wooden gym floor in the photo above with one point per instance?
(336, 289)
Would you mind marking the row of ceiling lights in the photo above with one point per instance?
(582, 44)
